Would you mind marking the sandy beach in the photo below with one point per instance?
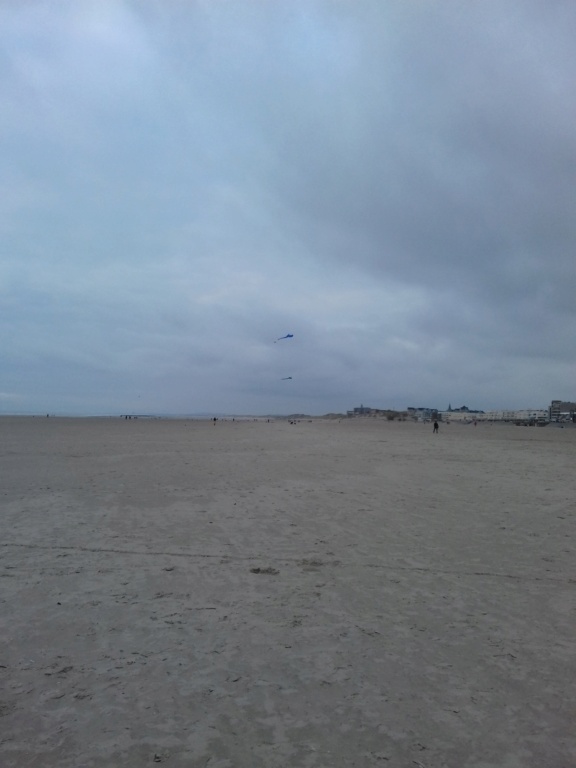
(324, 594)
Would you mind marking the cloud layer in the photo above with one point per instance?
(393, 183)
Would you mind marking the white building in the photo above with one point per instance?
(525, 416)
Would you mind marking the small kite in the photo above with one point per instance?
(286, 378)
(288, 336)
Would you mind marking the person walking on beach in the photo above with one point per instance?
(435, 427)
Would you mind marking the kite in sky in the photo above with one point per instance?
(288, 336)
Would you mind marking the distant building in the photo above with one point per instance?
(530, 416)
(422, 413)
(360, 411)
(562, 410)
(387, 413)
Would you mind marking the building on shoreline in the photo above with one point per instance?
(387, 413)
(562, 410)
(423, 414)
(558, 411)
(529, 416)
(361, 411)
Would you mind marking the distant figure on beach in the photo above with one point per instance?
(435, 427)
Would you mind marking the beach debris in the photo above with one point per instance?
(270, 571)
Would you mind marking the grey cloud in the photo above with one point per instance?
(191, 179)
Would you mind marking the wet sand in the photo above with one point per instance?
(266, 595)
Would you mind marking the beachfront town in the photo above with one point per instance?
(559, 411)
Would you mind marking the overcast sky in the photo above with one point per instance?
(183, 182)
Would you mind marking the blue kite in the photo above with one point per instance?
(286, 378)
(288, 336)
